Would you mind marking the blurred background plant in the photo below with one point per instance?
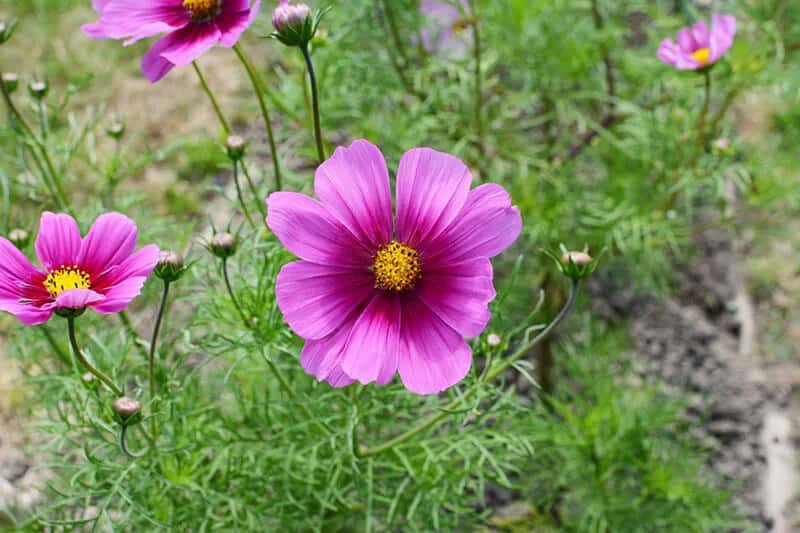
(564, 103)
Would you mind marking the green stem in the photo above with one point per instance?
(57, 189)
(212, 97)
(54, 344)
(43, 119)
(262, 207)
(314, 103)
(232, 295)
(152, 355)
(701, 120)
(86, 364)
(258, 87)
(491, 375)
(477, 53)
(242, 203)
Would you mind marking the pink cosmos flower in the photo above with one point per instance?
(192, 27)
(375, 294)
(443, 28)
(698, 46)
(100, 271)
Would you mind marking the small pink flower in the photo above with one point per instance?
(100, 271)
(376, 294)
(698, 47)
(288, 15)
(192, 27)
(443, 28)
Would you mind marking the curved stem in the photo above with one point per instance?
(434, 420)
(258, 87)
(43, 119)
(314, 103)
(86, 364)
(233, 295)
(242, 203)
(214, 102)
(152, 355)
(123, 444)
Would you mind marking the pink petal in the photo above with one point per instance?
(138, 19)
(459, 294)
(154, 65)
(686, 41)
(307, 230)
(433, 356)
(111, 239)
(322, 358)
(100, 5)
(372, 349)
(59, 241)
(353, 185)
(14, 266)
(76, 299)
(431, 190)
(338, 379)
(117, 297)
(486, 226)
(138, 264)
(701, 35)
(723, 30)
(316, 299)
(183, 46)
(28, 314)
(235, 19)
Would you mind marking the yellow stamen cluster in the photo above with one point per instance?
(66, 278)
(397, 267)
(202, 10)
(702, 55)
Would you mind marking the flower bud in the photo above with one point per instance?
(126, 408)
(19, 237)
(116, 130)
(38, 89)
(579, 258)
(236, 147)
(170, 266)
(223, 245)
(6, 30)
(295, 24)
(493, 340)
(90, 381)
(10, 81)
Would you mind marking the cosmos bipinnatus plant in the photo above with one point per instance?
(347, 352)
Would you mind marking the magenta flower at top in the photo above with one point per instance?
(443, 27)
(192, 27)
(100, 271)
(699, 47)
(375, 294)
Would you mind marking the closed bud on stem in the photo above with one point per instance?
(127, 409)
(236, 147)
(116, 130)
(10, 81)
(19, 237)
(90, 381)
(38, 89)
(295, 24)
(579, 258)
(494, 340)
(222, 245)
(576, 264)
(170, 266)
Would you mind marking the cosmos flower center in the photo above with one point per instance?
(397, 267)
(202, 10)
(65, 279)
(702, 55)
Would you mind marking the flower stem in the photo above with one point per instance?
(233, 295)
(212, 97)
(242, 203)
(314, 103)
(43, 119)
(152, 355)
(477, 53)
(491, 375)
(262, 208)
(258, 87)
(701, 120)
(86, 364)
